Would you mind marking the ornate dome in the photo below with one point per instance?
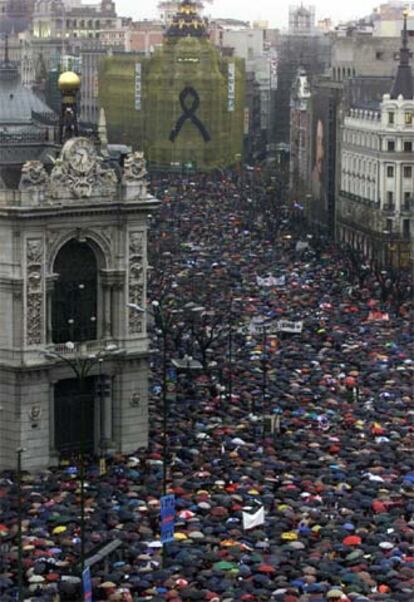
(69, 82)
(187, 22)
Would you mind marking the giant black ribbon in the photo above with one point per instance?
(189, 113)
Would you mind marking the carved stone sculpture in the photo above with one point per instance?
(80, 172)
(33, 176)
(34, 291)
(134, 168)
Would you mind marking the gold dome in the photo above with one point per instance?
(69, 82)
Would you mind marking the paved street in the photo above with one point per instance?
(281, 329)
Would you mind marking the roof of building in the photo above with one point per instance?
(366, 92)
(17, 16)
(23, 133)
(16, 101)
(403, 82)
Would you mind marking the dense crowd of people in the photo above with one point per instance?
(302, 410)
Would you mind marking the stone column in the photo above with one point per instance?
(112, 282)
(50, 289)
(107, 317)
(107, 418)
(54, 456)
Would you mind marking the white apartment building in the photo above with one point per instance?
(375, 209)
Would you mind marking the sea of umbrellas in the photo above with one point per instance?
(333, 469)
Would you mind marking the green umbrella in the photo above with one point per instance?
(223, 565)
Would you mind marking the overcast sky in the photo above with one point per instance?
(274, 11)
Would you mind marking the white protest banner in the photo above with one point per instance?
(255, 326)
(287, 326)
(271, 281)
(253, 520)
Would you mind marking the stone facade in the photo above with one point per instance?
(376, 197)
(81, 200)
(360, 54)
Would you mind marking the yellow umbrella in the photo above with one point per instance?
(180, 536)
(289, 536)
(59, 529)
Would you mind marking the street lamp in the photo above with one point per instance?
(19, 526)
(161, 323)
(81, 364)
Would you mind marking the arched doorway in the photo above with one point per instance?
(74, 309)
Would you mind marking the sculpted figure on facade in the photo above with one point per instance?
(135, 167)
(34, 176)
(34, 290)
(136, 280)
(134, 174)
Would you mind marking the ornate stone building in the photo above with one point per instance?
(73, 355)
(375, 207)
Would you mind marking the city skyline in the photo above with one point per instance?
(275, 14)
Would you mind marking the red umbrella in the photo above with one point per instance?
(266, 568)
(352, 540)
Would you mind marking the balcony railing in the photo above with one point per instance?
(407, 206)
(84, 348)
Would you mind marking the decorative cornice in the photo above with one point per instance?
(14, 285)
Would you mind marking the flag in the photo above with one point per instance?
(253, 520)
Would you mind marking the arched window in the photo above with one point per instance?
(75, 297)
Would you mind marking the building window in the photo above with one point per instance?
(379, 55)
(408, 146)
(408, 118)
(75, 301)
(390, 171)
(390, 145)
(390, 198)
(391, 118)
(408, 170)
(406, 228)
